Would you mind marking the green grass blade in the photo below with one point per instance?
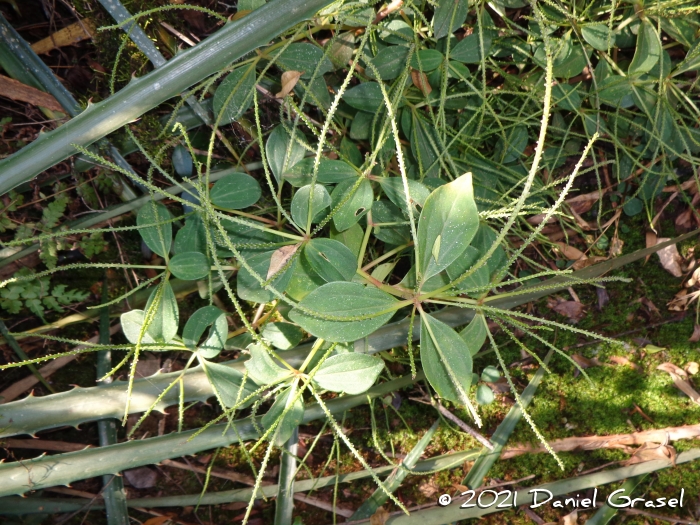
(500, 437)
(284, 507)
(606, 512)
(211, 55)
(113, 491)
(393, 482)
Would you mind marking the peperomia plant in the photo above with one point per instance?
(393, 181)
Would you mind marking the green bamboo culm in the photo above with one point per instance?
(227, 45)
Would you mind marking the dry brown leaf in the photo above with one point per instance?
(15, 90)
(680, 379)
(650, 306)
(158, 520)
(571, 253)
(571, 309)
(569, 519)
(694, 278)
(623, 361)
(380, 517)
(681, 301)
(692, 368)
(279, 258)
(651, 452)
(500, 386)
(67, 36)
(588, 261)
(696, 334)
(537, 219)
(616, 245)
(650, 241)
(670, 258)
(289, 80)
(428, 488)
(582, 203)
(584, 362)
(420, 80)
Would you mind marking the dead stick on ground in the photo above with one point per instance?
(613, 441)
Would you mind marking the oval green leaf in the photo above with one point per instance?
(205, 317)
(228, 384)
(350, 373)
(447, 224)
(233, 96)
(235, 191)
(131, 323)
(285, 424)
(427, 59)
(331, 260)
(282, 335)
(300, 204)
(389, 62)
(262, 368)
(346, 301)
(157, 238)
(283, 152)
(355, 207)
(446, 360)
(167, 314)
(189, 266)
(648, 49)
(365, 97)
(304, 57)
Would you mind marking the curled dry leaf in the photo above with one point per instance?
(571, 253)
(694, 278)
(623, 361)
(571, 309)
(651, 240)
(681, 301)
(420, 80)
(584, 362)
(280, 258)
(158, 520)
(569, 519)
(692, 368)
(616, 245)
(670, 258)
(15, 90)
(651, 452)
(67, 36)
(582, 203)
(680, 379)
(380, 517)
(289, 80)
(537, 219)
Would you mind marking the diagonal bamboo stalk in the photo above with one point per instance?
(230, 43)
(47, 471)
